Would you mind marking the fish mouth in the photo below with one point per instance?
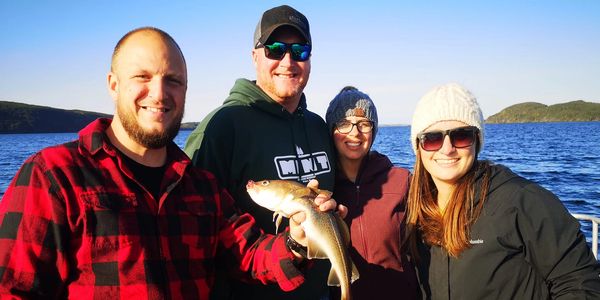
(250, 184)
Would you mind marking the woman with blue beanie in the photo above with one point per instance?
(375, 193)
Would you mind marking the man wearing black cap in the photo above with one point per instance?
(264, 131)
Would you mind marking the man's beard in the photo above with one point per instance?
(150, 140)
(271, 87)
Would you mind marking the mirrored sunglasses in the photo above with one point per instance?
(277, 50)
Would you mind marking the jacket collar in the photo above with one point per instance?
(246, 92)
(373, 164)
(93, 139)
(499, 175)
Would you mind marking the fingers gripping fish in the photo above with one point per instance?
(327, 234)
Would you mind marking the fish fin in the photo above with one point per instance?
(304, 192)
(355, 274)
(278, 221)
(345, 233)
(310, 192)
(333, 279)
(320, 191)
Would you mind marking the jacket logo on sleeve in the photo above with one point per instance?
(476, 242)
(302, 167)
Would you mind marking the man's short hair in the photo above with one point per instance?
(161, 33)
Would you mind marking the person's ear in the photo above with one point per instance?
(113, 85)
(255, 55)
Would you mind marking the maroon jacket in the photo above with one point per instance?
(376, 206)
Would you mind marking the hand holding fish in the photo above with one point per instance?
(313, 223)
(325, 203)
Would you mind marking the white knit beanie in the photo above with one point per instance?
(449, 102)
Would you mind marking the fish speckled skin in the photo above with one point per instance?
(326, 233)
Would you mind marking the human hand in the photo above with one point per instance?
(325, 203)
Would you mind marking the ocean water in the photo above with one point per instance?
(562, 157)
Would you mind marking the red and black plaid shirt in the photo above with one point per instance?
(75, 223)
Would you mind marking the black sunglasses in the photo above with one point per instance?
(460, 137)
(277, 50)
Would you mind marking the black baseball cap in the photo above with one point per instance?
(277, 17)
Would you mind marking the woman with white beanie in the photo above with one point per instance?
(374, 191)
(477, 230)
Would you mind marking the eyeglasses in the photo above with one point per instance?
(277, 50)
(460, 137)
(346, 126)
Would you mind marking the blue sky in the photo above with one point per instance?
(57, 53)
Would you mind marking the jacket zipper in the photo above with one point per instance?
(360, 222)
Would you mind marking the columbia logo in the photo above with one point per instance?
(476, 242)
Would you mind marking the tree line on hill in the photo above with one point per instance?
(531, 112)
(26, 118)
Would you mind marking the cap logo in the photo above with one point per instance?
(359, 112)
(295, 19)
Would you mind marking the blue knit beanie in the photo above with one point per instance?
(351, 102)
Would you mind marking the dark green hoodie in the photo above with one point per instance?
(252, 137)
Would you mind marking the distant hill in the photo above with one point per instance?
(26, 118)
(189, 125)
(530, 112)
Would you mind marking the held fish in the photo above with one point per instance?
(326, 233)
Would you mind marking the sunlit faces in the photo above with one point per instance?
(448, 164)
(281, 79)
(148, 83)
(354, 145)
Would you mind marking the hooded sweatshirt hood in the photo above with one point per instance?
(246, 92)
(499, 175)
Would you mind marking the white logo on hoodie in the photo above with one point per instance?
(302, 167)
